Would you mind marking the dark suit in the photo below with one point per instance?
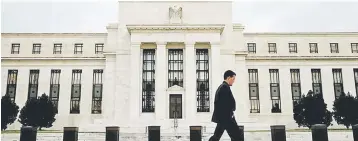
(224, 107)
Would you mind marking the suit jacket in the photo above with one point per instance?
(224, 104)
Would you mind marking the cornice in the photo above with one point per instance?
(53, 58)
(51, 34)
(302, 58)
(302, 34)
(215, 28)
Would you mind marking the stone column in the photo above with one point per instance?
(160, 81)
(216, 74)
(134, 76)
(190, 81)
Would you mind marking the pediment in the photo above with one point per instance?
(175, 88)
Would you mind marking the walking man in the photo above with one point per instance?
(224, 107)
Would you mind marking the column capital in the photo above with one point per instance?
(161, 43)
(189, 43)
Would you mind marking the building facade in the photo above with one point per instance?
(162, 63)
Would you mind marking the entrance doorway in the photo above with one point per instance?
(175, 106)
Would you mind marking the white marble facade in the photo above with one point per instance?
(175, 25)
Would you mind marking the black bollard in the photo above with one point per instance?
(153, 133)
(28, 133)
(319, 132)
(355, 132)
(241, 132)
(195, 133)
(112, 133)
(70, 133)
(278, 133)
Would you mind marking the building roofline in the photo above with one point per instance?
(53, 34)
(300, 33)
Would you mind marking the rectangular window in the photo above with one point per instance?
(15, 48)
(334, 48)
(175, 67)
(36, 49)
(55, 87)
(316, 81)
(202, 80)
(75, 91)
(148, 80)
(11, 84)
(354, 47)
(292, 47)
(337, 82)
(99, 48)
(272, 48)
(251, 47)
(33, 84)
(97, 90)
(295, 85)
(78, 48)
(313, 48)
(254, 91)
(355, 71)
(57, 48)
(275, 90)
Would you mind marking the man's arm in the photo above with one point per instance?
(225, 101)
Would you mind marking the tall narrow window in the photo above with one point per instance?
(15, 48)
(355, 71)
(75, 91)
(295, 85)
(11, 84)
(99, 48)
(148, 81)
(251, 47)
(57, 48)
(55, 87)
(36, 49)
(97, 91)
(33, 84)
(275, 90)
(334, 48)
(202, 80)
(272, 48)
(354, 47)
(292, 47)
(254, 91)
(316, 81)
(313, 48)
(337, 82)
(78, 48)
(175, 67)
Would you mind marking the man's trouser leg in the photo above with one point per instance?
(219, 130)
(233, 130)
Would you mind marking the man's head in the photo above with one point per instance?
(229, 77)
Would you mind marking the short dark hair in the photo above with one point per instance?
(229, 73)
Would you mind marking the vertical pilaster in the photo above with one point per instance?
(348, 80)
(190, 81)
(241, 89)
(327, 86)
(109, 90)
(160, 82)
(123, 87)
(135, 90)
(216, 75)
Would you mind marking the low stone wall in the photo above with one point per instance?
(249, 136)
